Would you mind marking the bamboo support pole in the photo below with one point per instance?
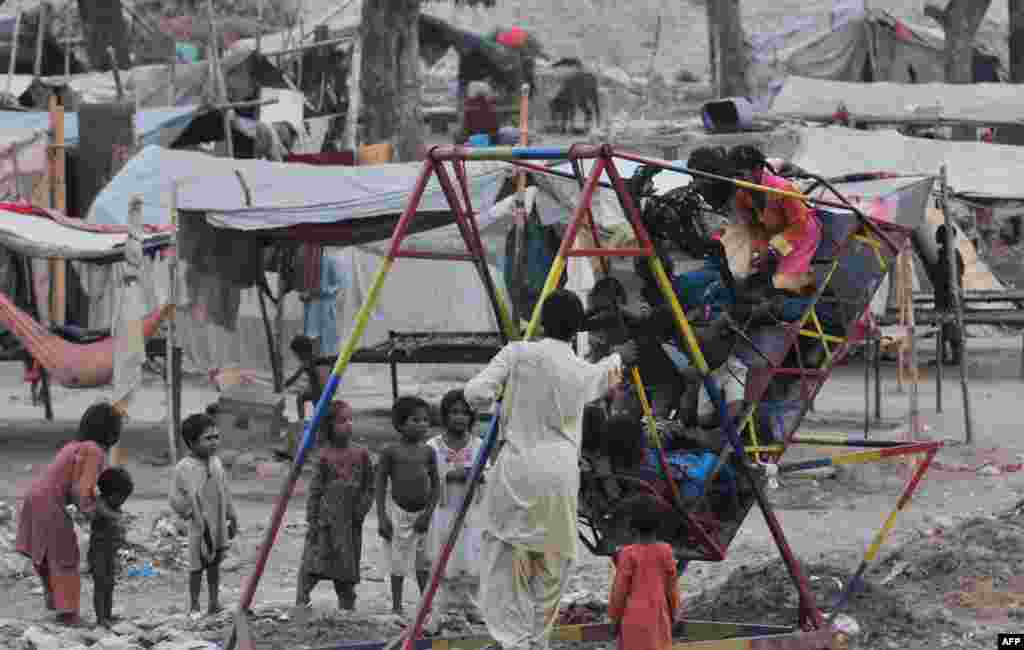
(58, 267)
(173, 398)
(958, 307)
(217, 74)
(14, 51)
(521, 216)
(115, 70)
(67, 41)
(355, 95)
(37, 67)
(915, 413)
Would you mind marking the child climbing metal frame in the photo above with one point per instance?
(810, 618)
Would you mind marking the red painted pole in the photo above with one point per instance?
(410, 210)
(580, 212)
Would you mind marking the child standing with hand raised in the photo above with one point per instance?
(410, 469)
(200, 496)
(645, 593)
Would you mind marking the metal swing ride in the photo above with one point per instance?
(787, 360)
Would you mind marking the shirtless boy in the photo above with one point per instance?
(411, 468)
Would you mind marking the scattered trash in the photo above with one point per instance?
(145, 571)
(897, 570)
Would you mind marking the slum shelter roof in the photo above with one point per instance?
(53, 50)
(46, 234)
(871, 46)
(154, 126)
(803, 98)
(244, 72)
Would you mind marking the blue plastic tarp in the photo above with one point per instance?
(150, 125)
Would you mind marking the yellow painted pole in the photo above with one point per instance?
(652, 430)
(677, 311)
(362, 318)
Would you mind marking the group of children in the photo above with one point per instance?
(418, 486)
(417, 489)
(199, 494)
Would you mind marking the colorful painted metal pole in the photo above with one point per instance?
(857, 457)
(652, 432)
(509, 154)
(880, 537)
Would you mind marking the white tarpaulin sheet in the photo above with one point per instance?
(974, 169)
(281, 194)
(42, 237)
(805, 98)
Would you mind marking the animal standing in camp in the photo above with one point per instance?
(506, 72)
(578, 90)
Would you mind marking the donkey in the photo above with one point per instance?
(578, 90)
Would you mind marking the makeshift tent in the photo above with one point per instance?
(245, 72)
(975, 170)
(53, 50)
(358, 205)
(155, 126)
(45, 234)
(818, 99)
(874, 46)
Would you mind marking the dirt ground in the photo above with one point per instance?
(949, 575)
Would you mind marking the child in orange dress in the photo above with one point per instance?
(645, 594)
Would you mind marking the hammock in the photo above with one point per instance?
(73, 365)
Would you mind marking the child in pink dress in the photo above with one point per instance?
(645, 593)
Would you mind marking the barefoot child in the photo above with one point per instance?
(645, 594)
(410, 468)
(199, 494)
(340, 495)
(105, 538)
(455, 451)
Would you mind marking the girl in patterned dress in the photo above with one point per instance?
(340, 496)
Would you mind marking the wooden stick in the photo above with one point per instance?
(58, 267)
(37, 68)
(958, 307)
(218, 76)
(259, 35)
(521, 216)
(310, 46)
(116, 71)
(355, 94)
(14, 50)
(247, 104)
(173, 399)
(915, 413)
(67, 42)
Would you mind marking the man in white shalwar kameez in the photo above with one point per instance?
(529, 509)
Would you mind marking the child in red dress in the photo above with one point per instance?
(645, 594)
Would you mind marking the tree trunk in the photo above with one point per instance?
(391, 76)
(960, 21)
(103, 24)
(712, 15)
(1015, 134)
(731, 49)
